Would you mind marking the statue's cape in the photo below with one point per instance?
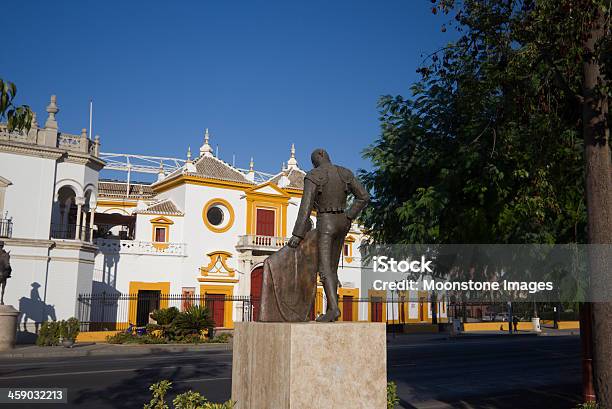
(290, 282)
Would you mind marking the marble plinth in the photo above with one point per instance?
(309, 365)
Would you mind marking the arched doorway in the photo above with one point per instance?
(256, 282)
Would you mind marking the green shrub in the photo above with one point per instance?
(165, 316)
(69, 329)
(125, 338)
(187, 400)
(589, 405)
(49, 334)
(192, 321)
(159, 391)
(222, 338)
(392, 399)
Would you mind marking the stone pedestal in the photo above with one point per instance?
(8, 327)
(309, 365)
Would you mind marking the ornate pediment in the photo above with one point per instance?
(217, 269)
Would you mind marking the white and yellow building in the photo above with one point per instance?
(201, 230)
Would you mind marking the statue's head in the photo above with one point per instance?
(319, 157)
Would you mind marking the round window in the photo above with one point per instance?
(215, 215)
(218, 215)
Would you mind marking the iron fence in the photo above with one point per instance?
(115, 311)
(6, 228)
(550, 313)
(69, 232)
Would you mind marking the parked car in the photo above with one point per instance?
(502, 316)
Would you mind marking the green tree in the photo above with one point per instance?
(17, 117)
(492, 144)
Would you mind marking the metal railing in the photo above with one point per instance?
(140, 247)
(258, 242)
(69, 232)
(6, 228)
(78, 143)
(115, 311)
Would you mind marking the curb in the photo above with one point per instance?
(120, 350)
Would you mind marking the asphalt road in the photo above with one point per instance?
(502, 372)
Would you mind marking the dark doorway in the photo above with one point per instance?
(376, 309)
(216, 305)
(347, 308)
(256, 281)
(148, 301)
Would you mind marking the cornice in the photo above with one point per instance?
(39, 151)
(84, 159)
(19, 242)
(49, 152)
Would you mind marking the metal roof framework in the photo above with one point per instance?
(129, 163)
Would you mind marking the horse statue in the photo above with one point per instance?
(5, 269)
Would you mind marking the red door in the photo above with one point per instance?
(376, 309)
(256, 281)
(216, 305)
(265, 222)
(347, 308)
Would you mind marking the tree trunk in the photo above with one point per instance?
(599, 211)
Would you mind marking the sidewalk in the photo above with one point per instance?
(439, 336)
(92, 349)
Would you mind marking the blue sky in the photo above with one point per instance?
(259, 74)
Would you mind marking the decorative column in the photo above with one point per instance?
(51, 123)
(92, 213)
(80, 201)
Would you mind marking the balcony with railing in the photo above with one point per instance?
(6, 228)
(70, 232)
(260, 243)
(49, 136)
(70, 142)
(117, 246)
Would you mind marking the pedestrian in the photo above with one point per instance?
(515, 322)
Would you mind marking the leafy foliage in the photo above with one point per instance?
(193, 321)
(69, 329)
(392, 399)
(165, 316)
(128, 338)
(17, 117)
(159, 391)
(186, 400)
(49, 334)
(488, 148)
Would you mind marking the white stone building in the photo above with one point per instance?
(48, 193)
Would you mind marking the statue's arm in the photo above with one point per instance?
(302, 222)
(362, 197)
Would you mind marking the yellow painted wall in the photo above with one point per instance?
(494, 326)
(95, 336)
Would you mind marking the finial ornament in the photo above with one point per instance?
(189, 154)
(205, 149)
(52, 109)
(251, 164)
(292, 162)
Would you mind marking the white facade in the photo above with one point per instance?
(50, 181)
